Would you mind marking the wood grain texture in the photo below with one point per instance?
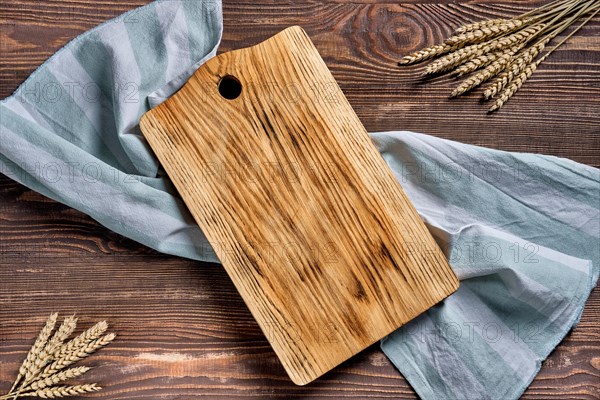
(184, 331)
(316, 232)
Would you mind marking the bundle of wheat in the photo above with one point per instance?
(507, 49)
(44, 366)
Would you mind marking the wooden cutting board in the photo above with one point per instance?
(303, 212)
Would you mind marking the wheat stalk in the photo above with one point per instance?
(63, 391)
(530, 69)
(542, 10)
(535, 14)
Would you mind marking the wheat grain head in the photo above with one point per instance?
(484, 60)
(57, 378)
(76, 355)
(45, 356)
(514, 86)
(454, 59)
(29, 363)
(480, 24)
(427, 53)
(486, 32)
(62, 391)
(87, 336)
(514, 69)
(482, 76)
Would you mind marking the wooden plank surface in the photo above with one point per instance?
(184, 332)
(322, 254)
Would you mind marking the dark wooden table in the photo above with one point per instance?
(183, 330)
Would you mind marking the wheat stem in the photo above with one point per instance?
(552, 5)
(545, 15)
(577, 5)
(576, 29)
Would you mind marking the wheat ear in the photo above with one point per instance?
(465, 54)
(514, 69)
(77, 355)
(57, 378)
(427, 53)
(524, 35)
(61, 334)
(37, 347)
(62, 391)
(453, 59)
(486, 32)
(478, 25)
(482, 76)
(484, 60)
(87, 336)
(514, 86)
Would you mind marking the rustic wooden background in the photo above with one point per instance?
(184, 331)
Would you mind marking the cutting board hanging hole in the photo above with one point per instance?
(230, 87)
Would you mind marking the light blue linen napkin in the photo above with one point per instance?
(521, 230)
(522, 233)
